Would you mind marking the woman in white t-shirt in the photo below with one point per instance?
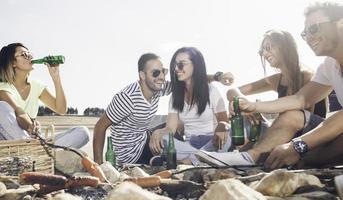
(20, 96)
(195, 103)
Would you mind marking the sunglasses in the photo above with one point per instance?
(313, 29)
(181, 65)
(266, 48)
(157, 72)
(27, 55)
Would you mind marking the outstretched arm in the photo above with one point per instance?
(262, 85)
(310, 94)
(225, 78)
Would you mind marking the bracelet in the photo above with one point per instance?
(217, 75)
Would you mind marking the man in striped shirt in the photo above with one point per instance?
(132, 110)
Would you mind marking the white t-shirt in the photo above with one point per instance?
(31, 104)
(206, 122)
(329, 73)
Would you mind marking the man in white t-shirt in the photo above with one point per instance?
(323, 32)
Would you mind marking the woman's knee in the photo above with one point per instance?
(5, 107)
(83, 132)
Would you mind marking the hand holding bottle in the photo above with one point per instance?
(54, 71)
(245, 106)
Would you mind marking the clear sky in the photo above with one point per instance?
(102, 40)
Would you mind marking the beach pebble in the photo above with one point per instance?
(110, 172)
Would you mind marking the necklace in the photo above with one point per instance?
(22, 89)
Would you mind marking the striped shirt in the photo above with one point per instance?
(131, 114)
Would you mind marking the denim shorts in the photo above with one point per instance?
(311, 121)
(199, 141)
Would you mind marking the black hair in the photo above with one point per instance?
(144, 59)
(7, 53)
(200, 95)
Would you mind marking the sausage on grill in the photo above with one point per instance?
(41, 178)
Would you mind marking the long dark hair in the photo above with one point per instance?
(200, 95)
(285, 43)
(7, 73)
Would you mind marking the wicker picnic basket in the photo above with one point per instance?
(17, 156)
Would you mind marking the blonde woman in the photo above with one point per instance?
(20, 96)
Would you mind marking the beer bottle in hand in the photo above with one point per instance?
(110, 154)
(237, 128)
(52, 60)
(171, 152)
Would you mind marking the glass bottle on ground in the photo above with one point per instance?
(110, 154)
(171, 152)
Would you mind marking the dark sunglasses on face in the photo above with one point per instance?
(157, 72)
(181, 65)
(266, 48)
(27, 55)
(313, 29)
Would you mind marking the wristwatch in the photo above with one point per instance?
(299, 146)
(217, 75)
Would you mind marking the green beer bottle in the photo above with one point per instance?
(237, 128)
(255, 130)
(110, 154)
(171, 153)
(52, 60)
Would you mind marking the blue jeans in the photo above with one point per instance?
(186, 149)
(311, 121)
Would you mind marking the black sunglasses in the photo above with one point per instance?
(157, 72)
(27, 55)
(266, 48)
(181, 65)
(313, 29)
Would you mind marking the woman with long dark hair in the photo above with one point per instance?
(196, 104)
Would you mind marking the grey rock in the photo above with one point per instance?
(318, 195)
(130, 191)
(68, 162)
(232, 189)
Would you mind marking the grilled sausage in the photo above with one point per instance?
(146, 182)
(46, 189)
(78, 181)
(41, 178)
(93, 168)
(164, 174)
